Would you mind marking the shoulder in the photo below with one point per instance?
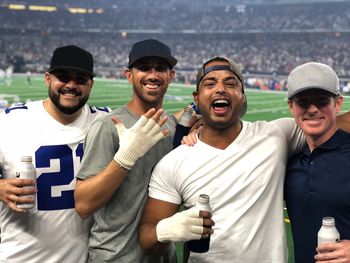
(259, 127)
(176, 156)
(22, 112)
(22, 108)
(96, 112)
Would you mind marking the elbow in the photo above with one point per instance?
(156, 249)
(143, 243)
(148, 240)
(82, 210)
(143, 240)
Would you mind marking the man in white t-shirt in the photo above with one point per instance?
(52, 131)
(239, 164)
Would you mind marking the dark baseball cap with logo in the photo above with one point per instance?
(150, 48)
(232, 66)
(74, 58)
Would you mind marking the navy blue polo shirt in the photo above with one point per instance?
(317, 184)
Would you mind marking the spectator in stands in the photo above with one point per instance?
(112, 182)
(317, 182)
(51, 131)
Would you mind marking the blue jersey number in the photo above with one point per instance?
(55, 191)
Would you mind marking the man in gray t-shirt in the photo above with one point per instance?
(119, 158)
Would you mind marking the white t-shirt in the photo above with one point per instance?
(245, 185)
(52, 231)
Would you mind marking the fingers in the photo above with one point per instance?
(22, 182)
(155, 115)
(116, 120)
(15, 191)
(337, 252)
(190, 139)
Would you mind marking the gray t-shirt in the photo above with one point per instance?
(114, 233)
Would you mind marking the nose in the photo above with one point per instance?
(220, 87)
(153, 74)
(71, 83)
(312, 108)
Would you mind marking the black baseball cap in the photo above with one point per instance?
(150, 48)
(72, 57)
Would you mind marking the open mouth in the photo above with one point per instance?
(220, 106)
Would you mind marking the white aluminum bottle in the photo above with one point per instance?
(186, 117)
(201, 245)
(26, 170)
(328, 232)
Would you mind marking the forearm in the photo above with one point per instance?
(343, 121)
(93, 193)
(148, 239)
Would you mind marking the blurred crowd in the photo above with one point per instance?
(264, 39)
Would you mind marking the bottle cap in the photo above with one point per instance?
(188, 109)
(203, 198)
(26, 158)
(328, 221)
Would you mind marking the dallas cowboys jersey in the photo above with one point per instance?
(52, 231)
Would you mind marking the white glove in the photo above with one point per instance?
(136, 141)
(182, 226)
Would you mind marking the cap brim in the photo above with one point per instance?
(71, 68)
(310, 88)
(171, 61)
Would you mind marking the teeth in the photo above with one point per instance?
(221, 101)
(152, 86)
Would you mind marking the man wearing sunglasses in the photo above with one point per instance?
(317, 181)
(112, 182)
(52, 132)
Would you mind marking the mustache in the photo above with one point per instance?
(152, 81)
(69, 91)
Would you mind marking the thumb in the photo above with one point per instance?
(118, 125)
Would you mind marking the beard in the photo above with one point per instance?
(152, 100)
(55, 98)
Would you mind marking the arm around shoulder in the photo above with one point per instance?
(343, 121)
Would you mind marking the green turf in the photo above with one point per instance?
(113, 93)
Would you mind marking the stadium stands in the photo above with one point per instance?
(265, 37)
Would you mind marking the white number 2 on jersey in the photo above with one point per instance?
(56, 183)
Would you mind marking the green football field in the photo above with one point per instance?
(262, 105)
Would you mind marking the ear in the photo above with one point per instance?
(290, 106)
(47, 78)
(172, 74)
(338, 103)
(128, 75)
(195, 97)
(92, 83)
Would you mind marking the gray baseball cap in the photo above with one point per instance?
(312, 75)
(232, 66)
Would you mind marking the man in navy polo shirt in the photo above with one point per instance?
(317, 182)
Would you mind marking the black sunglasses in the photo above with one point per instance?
(318, 101)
